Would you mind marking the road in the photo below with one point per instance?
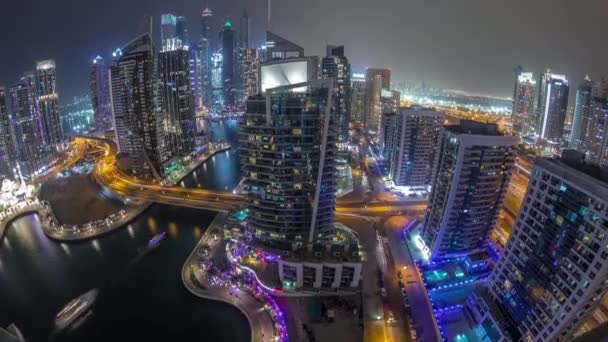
(376, 327)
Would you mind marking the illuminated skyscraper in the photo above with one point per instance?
(375, 81)
(203, 54)
(168, 30)
(335, 65)
(139, 129)
(47, 105)
(595, 141)
(7, 151)
(552, 272)
(388, 124)
(357, 98)
(523, 114)
(32, 154)
(176, 98)
(580, 118)
(228, 43)
(552, 106)
(469, 185)
(217, 84)
(244, 30)
(413, 150)
(100, 95)
(181, 29)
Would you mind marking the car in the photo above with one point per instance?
(383, 292)
(400, 283)
(403, 293)
(390, 317)
(406, 302)
(399, 275)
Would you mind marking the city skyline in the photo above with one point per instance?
(444, 54)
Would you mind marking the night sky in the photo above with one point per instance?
(462, 44)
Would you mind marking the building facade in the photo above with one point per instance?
(388, 124)
(138, 123)
(336, 66)
(595, 142)
(552, 107)
(375, 81)
(100, 95)
(414, 153)
(176, 99)
(523, 115)
(580, 120)
(469, 184)
(288, 147)
(7, 150)
(551, 274)
(168, 29)
(228, 40)
(357, 98)
(47, 104)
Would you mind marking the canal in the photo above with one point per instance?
(140, 297)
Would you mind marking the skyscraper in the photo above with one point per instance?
(287, 144)
(228, 42)
(181, 30)
(217, 84)
(581, 114)
(7, 152)
(388, 124)
(375, 81)
(552, 272)
(176, 98)
(168, 29)
(244, 30)
(31, 152)
(335, 65)
(552, 106)
(100, 95)
(139, 129)
(250, 71)
(357, 99)
(469, 184)
(204, 52)
(47, 105)
(523, 114)
(595, 141)
(414, 153)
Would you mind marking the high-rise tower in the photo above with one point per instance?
(375, 81)
(523, 114)
(139, 129)
(580, 118)
(7, 150)
(336, 66)
(228, 43)
(47, 103)
(100, 95)
(552, 106)
(469, 184)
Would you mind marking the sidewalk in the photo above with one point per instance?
(199, 281)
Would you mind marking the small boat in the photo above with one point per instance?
(73, 310)
(156, 239)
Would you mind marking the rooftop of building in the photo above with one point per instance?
(482, 255)
(343, 246)
(474, 127)
(496, 311)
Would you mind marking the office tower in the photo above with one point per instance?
(414, 152)
(523, 115)
(357, 98)
(388, 122)
(7, 152)
(335, 65)
(389, 103)
(100, 95)
(551, 107)
(181, 29)
(228, 43)
(551, 274)
(168, 29)
(277, 47)
(138, 123)
(203, 54)
(375, 81)
(595, 142)
(217, 84)
(580, 118)
(31, 152)
(244, 30)
(287, 143)
(250, 72)
(47, 105)
(469, 184)
(176, 98)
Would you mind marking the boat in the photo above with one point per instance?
(154, 241)
(75, 309)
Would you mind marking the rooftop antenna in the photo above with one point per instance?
(269, 14)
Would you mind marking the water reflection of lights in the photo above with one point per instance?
(66, 248)
(197, 232)
(152, 225)
(172, 229)
(131, 232)
(96, 246)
